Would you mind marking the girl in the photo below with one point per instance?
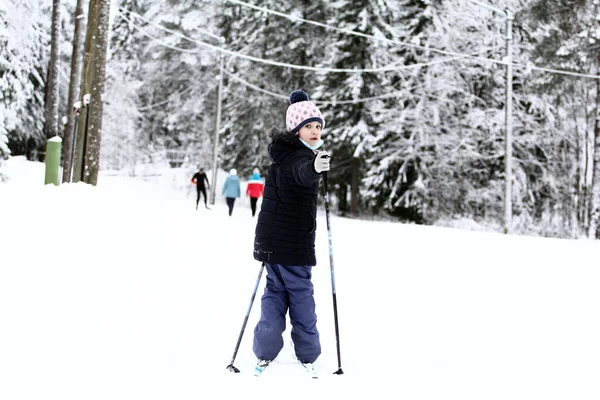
(285, 234)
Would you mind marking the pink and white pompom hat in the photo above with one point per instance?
(301, 111)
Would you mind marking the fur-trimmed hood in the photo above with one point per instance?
(282, 143)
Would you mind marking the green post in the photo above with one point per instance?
(53, 160)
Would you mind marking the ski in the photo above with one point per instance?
(310, 369)
(307, 366)
(260, 367)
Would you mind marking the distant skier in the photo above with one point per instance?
(255, 189)
(231, 189)
(199, 179)
(285, 235)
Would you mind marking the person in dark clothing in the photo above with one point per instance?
(199, 179)
(285, 234)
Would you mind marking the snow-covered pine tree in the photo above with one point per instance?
(23, 60)
(351, 126)
(466, 173)
(177, 96)
(444, 157)
(391, 161)
(249, 114)
(459, 115)
(564, 35)
(123, 142)
(4, 151)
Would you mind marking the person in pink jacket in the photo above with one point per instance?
(255, 189)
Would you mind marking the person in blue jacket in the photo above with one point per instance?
(285, 234)
(231, 189)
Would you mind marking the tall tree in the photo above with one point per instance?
(4, 53)
(74, 87)
(354, 121)
(51, 127)
(249, 113)
(86, 82)
(388, 153)
(177, 98)
(24, 55)
(92, 150)
(563, 34)
(123, 142)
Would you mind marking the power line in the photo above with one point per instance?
(489, 7)
(257, 88)
(175, 95)
(333, 102)
(556, 71)
(254, 87)
(529, 67)
(143, 32)
(355, 33)
(273, 94)
(172, 97)
(388, 68)
(248, 84)
(324, 102)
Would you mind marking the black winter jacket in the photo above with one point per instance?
(285, 232)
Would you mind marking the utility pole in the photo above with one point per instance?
(508, 122)
(215, 160)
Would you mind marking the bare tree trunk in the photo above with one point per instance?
(51, 107)
(585, 213)
(578, 173)
(74, 86)
(82, 125)
(92, 151)
(595, 203)
(354, 186)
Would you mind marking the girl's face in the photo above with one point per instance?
(311, 132)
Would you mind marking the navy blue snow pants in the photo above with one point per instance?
(287, 287)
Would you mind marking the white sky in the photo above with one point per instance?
(148, 302)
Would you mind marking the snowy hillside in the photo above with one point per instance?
(124, 291)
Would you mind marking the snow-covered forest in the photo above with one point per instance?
(413, 91)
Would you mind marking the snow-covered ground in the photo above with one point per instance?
(125, 291)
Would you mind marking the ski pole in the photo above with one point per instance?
(335, 313)
(237, 346)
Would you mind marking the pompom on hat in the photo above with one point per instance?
(301, 111)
